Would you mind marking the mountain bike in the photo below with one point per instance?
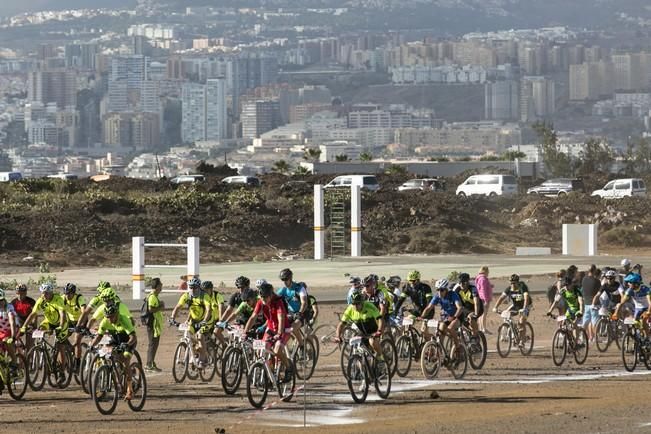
(569, 338)
(476, 345)
(236, 360)
(48, 361)
(635, 346)
(186, 363)
(509, 334)
(608, 330)
(15, 379)
(437, 353)
(268, 373)
(364, 367)
(408, 347)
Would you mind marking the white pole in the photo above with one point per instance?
(319, 224)
(193, 257)
(138, 267)
(592, 239)
(355, 221)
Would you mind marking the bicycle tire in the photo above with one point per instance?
(477, 352)
(343, 358)
(527, 346)
(390, 354)
(559, 347)
(210, 369)
(18, 381)
(504, 340)
(630, 349)
(404, 355)
(84, 368)
(232, 363)
(326, 334)
(257, 380)
(105, 390)
(581, 343)
(63, 371)
(357, 381)
(180, 362)
(603, 335)
(36, 368)
(305, 360)
(139, 386)
(382, 378)
(458, 364)
(95, 362)
(77, 372)
(430, 359)
(285, 387)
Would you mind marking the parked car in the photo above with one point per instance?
(558, 187)
(10, 176)
(619, 188)
(187, 179)
(489, 185)
(422, 184)
(65, 176)
(367, 182)
(247, 180)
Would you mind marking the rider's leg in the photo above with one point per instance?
(296, 330)
(129, 392)
(219, 334)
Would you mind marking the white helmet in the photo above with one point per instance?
(442, 284)
(625, 262)
(610, 273)
(260, 282)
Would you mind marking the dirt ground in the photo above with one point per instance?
(515, 394)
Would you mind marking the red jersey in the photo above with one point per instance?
(271, 311)
(23, 308)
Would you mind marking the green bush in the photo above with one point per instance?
(623, 236)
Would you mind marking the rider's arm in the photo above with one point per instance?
(304, 302)
(595, 299)
(553, 305)
(132, 339)
(380, 324)
(498, 302)
(459, 311)
(84, 315)
(29, 319)
(581, 305)
(12, 324)
(255, 313)
(174, 312)
(476, 303)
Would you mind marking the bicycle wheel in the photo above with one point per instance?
(326, 334)
(18, 380)
(36, 368)
(180, 362)
(629, 352)
(382, 377)
(95, 362)
(357, 378)
(77, 370)
(84, 369)
(527, 341)
(403, 350)
(105, 390)
(209, 370)
(504, 340)
(343, 358)
(430, 359)
(139, 386)
(305, 360)
(580, 346)
(315, 342)
(644, 353)
(257, 384)
(192, 372)
(63, 365)
(559, 347)
(390, 354)
(620, 331)
(459, 362)
(476, 349)
(603, 334)
(285, 385)
(232, 370)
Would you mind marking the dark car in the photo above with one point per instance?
(558, 187)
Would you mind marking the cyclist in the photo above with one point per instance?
(244, 311)
(123, 334)
(242, 283)
(573, 298)
(420, 294)
(93, 304)
(274, 312)
(74, 304)
(109, 297)
(23, 306)
(384, 289)
(472, 305)
(451, 309)
(518, 293)
(295, 296)
(641, 297)
(368, 320)
(216, 301)
(372, 294)
(199, 308)
(625, 269)
(393, 286)
(610, 293)
(355, 286)
(8, 327)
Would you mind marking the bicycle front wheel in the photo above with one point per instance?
(559, 347)
(209, 370)
(36, 368)
(326, 335)
(257, 384)
(390, 354)
(180, 362)
(105, 390)
(17, 384)
(527, 339)
(581, 347)
(357, 379)
(382, 378)
(232, 370)
(403, 350)
(139, 387)
(477, 350)
(305, 358)
(603, 334)
(63, 365)
(629, 352)
(430, 359)
(458, 362)
(504, 340)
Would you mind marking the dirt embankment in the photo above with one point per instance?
(66, 223)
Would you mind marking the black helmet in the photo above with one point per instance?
(21, 287)
(393, 282)
(356, 297)
(369, 279)
(242, 282)
(285, 274)
(514, 278)
(110, 309)
(250, 294)
(206, 284)
(464, 277)
(70, 288)
(266, 290)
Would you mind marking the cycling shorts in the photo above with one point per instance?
(525, 311)
(61, 336)
(467, 311)
(272, 336)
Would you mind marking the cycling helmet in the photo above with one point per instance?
(633, 278)
(103, 285)
(442, 284)
(242, 282)
(110, 309)
(108, 295)
(625, 262)
(194, 283)
(2, 294)
(376, 277)
(266, 290)
(369, 279)
(206, 284)
(260, 282)
(610, 274)
(413, 275)
(285, 274)
(354, 280)
(356, 297)
(250, 294)
(464, 277)
(21, 287)
(393, 282)
(70, 288)
(46, 287)
(514, 278)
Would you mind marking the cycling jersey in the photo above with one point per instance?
(235, 300)
(640, 297)
(23, 308)
(614, 291)
(365, 319)
(388, 296)
(377, 299)
(5, 317)
(74, 307)
(196, 305)
(571, 297)
(244, 312)
(467, 296)
(123, 309)
(448, 303)
(517, 295)
(52, 310)
(122, 326)
(292, 295)
(216, 300)
(271, 311)
(420, 294)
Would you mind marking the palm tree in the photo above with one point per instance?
(342, 157)
(281, 166)
(365, 156)
(312, 155)
(301, 171)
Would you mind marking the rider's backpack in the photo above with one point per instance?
(146, 317)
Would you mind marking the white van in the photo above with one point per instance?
(619, 188)
(368, 182)
(64, 176)
(489, 185)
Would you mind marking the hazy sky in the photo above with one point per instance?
(11, 7)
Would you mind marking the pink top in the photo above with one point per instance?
(484, 287)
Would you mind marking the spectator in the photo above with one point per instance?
(485, 290)
(590, 286)
(183, 286)
(155, 326)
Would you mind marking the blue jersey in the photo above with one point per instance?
(448, 303)
(639, 298)
(292, 295)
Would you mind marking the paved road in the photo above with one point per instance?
(328, 278)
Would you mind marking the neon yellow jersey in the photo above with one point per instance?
(122, 309)
(368, 312)
(51, 310)
(216, 301)
(196, 305)
(74, 306)
(123, 325)
(388, 296)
